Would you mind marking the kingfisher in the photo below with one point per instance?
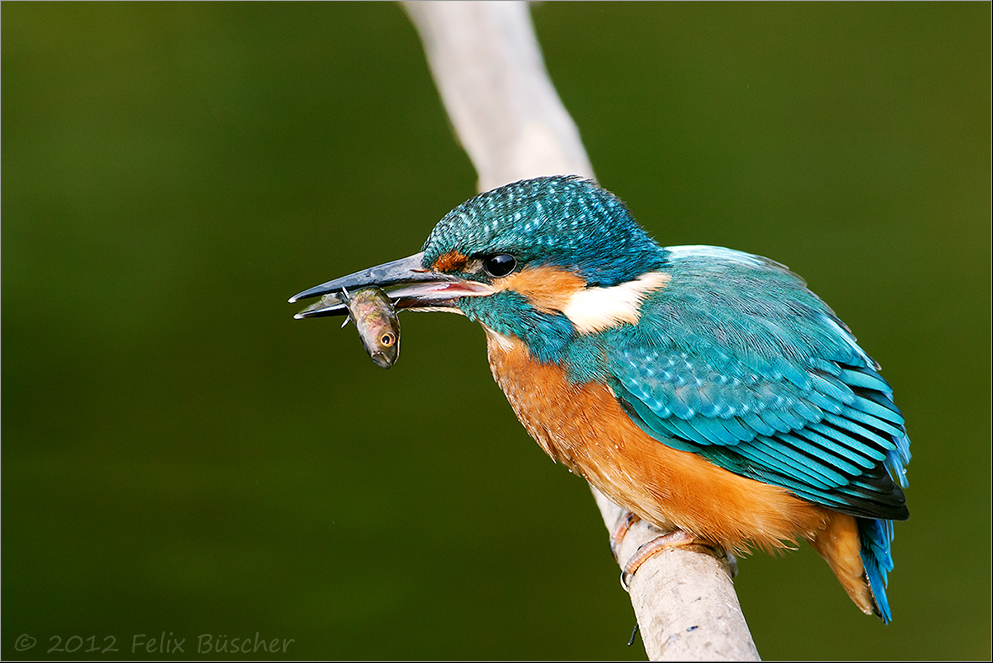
(705, 390)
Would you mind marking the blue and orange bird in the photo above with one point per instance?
(705, 390)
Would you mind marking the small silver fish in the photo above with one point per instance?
(374, 316)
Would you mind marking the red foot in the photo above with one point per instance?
(624, 523)
(673, 539)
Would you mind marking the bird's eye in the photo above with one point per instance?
(499, 264)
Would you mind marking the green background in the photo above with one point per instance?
(180, 455)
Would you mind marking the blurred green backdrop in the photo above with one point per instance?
(180, 455)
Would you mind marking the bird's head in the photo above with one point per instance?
(542, 260)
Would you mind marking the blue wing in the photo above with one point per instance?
(735, 360)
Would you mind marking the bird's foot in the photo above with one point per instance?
(675, 539)
(621, 527)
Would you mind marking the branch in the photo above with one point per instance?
(486, 62)
(683, 599)
(488, 67)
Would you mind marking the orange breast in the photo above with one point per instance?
(585, 428)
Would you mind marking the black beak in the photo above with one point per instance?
(405, 280)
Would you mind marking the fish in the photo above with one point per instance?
(376, 321)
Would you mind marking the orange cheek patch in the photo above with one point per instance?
(452, 261)
(547, 288)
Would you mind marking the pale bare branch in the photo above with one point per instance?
(487, 64)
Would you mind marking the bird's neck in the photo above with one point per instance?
(533, 389)
(549, 308)
(511, 315)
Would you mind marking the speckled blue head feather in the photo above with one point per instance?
(565, 221)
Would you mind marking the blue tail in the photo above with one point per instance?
(875, 537)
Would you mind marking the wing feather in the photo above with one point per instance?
(737, 361)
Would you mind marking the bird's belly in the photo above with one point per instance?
(584, 427)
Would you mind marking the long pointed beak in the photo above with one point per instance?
(405, 280)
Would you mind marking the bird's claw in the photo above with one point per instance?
(674, 539)
(624, 523)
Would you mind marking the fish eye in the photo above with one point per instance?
(499, 264)
(387, 339)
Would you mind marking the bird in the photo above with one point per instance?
(705, 390)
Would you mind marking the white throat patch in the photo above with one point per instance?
(505, 343)
(595, 309)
